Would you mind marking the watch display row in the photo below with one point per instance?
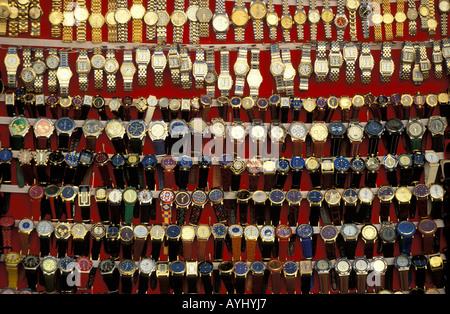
(55, 72)
(191, 21)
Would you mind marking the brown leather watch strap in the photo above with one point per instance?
(250, 250)
(253, 181)
(404, 279)
(323, 283)
(330, 249)
(427, 243)
(226, 178)
(290, 284)
(361, 283)
(269, 181)
(24, 242)
(216, 175)
(354, 148)
(236, 245)
(297, 147)
(91, 143)
(327, 180)
(343, 284)
(275, 276)
(169, 179)
(138, 246)
(187, 250)
(257, 280)
(201, 249)
(318, 149)
(422, 207)
(335, 215)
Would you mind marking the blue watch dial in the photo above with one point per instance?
(357, 164)
(276, 196)
(235, 101)
(293, 196)
(283, 164)
(321, 102)
(65, 124)
(329, 232)
(315, 196)
(304, 230)
(67, 263)
(274, 98)
(405, 228)
(382, 99)
(241, 268)
(72, 159)
(336, 128)
(219, 230)
(226, 159)
(297, 162)
(177, 128)
(290, 267)
(419, 260)
(257, 267)
(177, 267)
(341, 164)
(374, 128)
(262, 102)
(296, 103)
(173, 231)
(5, 155)
(149, 161)
(216, 195)
(205, 161)
(185, 161)
(67, 191)
(205, 267)
(127, 265)
(117, 160)
(419, 159)
(136, 127)
(112, 231)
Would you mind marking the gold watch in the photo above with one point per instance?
(68, 22)
(239, 19)
(4, 15)
(81, 15)
(111, 21)
(122, 16)
(96, 20)
(388, 19)
(137, 11)
(204, 15)
(258, 11)
(23, 15)
(400, 18)
(150, 19)
(163, 20)
(55, 18)
(35, 14)
(13, 27)
(178, 19)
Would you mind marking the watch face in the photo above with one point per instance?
(373, 163)
(62, 230)
(145, 196)
(350, 196)
(205, 267)
(361, 264)
(173, 231)
(216, 195)
(322, 264)
(67, 264)
(267, 233)
(319, 132)
(136, 128)
(283, 164)
(106, 265)
(98, 230)
(419, 260)
(402, 260)
(341, 164)
(117, 160)
(68, 192)
(199, 197)
(293, 196)
(168, 162)
(157, 232)
(357, 164)
(127, 266)
(185, 161)
(349, 230)
(219, 230)
(241, 268)
(235, 230)
(254, 165)
(43, 127)
(403, 194)
(405, 228)
(203, 231)
(283, 231)
(182, 199)
(92, 127)
(329, 232)
(436, 191)
(31, 261)
(436, 125)
(86, 157)
(388, 234)
(379, 265)
(336, 128)
(415, 129)
(130, 195)
(44, 227)
(276, 196)
(427, 226)
(49, 264)
(297, 163)
(332, 197)
(251, 232)
(431, 157)
(5, 155)
(421, 190)
(178, 128)
(304, 231)
(314, 196)
(374, 128)
(149, 161)
(167, 196)
(342, 265)
(26, 225)
(257, 267)
(394, 125)
(147, 265)
(405, 160)
(290, 268)
(390, 161)
(19, 126)
(259, 197)
(366, 194)
(385, 193)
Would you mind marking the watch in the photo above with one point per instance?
(199, 68)
(444, 7)
(437, 126)
(361, 265)
(400, 18)
(321, 68)
(387, 65)
(68, 21)
(335, 61)
(272, 20)
(11, 61)
(111, 67)
(258, 11)
(322, 267)
(142, 60)
(405, 229)
(369, 234)
(203, 233)
(431, 166)
(286, 22)
(379, 266)
(352, 6)
(305, 232)
(241, 68)
(350, 54)
(319, 134)
(239, 19)
(394, 128)
(204, 16)
(340, 21)
(224, 81)
(343, 268)
(220, 21)
(127, 70)
(277, 67)
(219, 232)
(290, 271)
(159, 62)
(55, 18)
(49, 265)
(407, 58)
(388, 19)
(305, 67)
(350, 232)
(136, 131)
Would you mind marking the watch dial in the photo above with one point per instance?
(304, 230)
(366, 194)
(315, 196)
(72, 159)
(149, 161)
(293, 196)
(219, 230)
(402, 260)
(257, 267)
(388, 234)
(385, 193)
(350, 195)
(427, 225)
(322, 264)
(283, 231)
(374, 128)
(421, 190)
(436, 191)
(167, 196)
(406, 228)
(290, 267)
(361, 264)
(336, 128)
(328, 232)
(182, 198)
(199, 197)
(147, 265)
(297, 162)
(168, 162)
(241, 268)
(349, 230)
(341, 164)
(205, 267)
(276, 196)
(267, 232)
(173, 231)
(216, 195)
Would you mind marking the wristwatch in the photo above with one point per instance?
(11, 63)
(322, 267)
(387, 65)
(305, 67)
(364, 213)
(406, 230)
(258, 11)
(319, 134)
(239, 19)
(335, 61)
(355, 134)
(220, 21)
(96, 21)
(352, 6)
(142, 60)
(286, 22)
(224, 81)
(55, 18)
(350, 53)
(329, 234)
(408, 56)
(81, 15)
(111, 67)
(68, 21)
(49, 265)
(321, 68)
(377, 20)
(350, 232)
(343, 268)
(178, 19)
(388, 19)
(277, 67)
(333, 198)
(199, 68)
(122, 17)
(340, 21)
(241, 68)
(159, 62)
(127, 69)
